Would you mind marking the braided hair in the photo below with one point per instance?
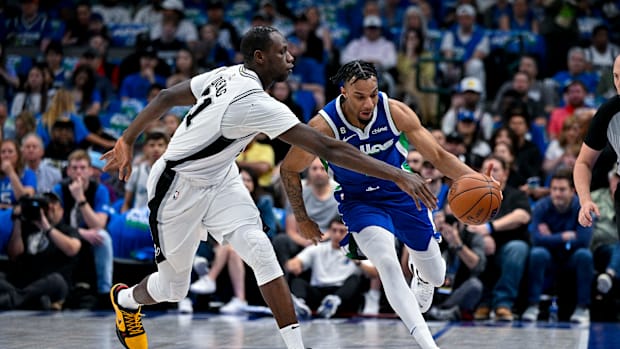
(353, 71)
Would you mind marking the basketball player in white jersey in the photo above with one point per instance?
(195, 187)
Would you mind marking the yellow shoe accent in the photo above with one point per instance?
(129, 328)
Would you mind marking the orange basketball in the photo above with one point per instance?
(474, 198)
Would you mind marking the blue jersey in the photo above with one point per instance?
(379, 139)
(368, 201)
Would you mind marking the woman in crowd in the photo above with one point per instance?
(15, 180)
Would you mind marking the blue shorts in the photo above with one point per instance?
(397, 214)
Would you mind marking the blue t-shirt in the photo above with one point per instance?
(101, 202)
(136, 86)
(7, 195)
(80, 132)
(6, 229)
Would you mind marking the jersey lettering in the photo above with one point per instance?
(375, 148)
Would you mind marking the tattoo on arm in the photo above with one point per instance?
(292, 184)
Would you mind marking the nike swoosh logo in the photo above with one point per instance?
(294, 327)
(347, 138)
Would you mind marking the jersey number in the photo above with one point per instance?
(204, 102)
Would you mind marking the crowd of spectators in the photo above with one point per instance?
(512, 83)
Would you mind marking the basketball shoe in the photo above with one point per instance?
(423, 290)
(129, 328)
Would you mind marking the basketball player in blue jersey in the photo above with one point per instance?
(195, 189)
(376, 210)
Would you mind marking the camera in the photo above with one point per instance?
(31, 207)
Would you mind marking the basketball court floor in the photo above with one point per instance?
(86, 329)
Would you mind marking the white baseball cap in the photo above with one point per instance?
(372, 21)
(471, 84)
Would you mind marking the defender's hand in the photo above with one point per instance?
(585, 213)
(414, 185)
(119, 158)
(310, 230)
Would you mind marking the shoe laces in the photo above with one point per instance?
(133, 322)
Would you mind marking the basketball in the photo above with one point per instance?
(474, 198)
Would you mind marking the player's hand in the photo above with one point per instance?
(414, 185)
(119, 158)
(586, 213)
(310, 230)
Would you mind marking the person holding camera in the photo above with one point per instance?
(86, 203)
(44, 254)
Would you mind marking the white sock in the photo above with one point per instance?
(126, 300)
(423, 336)
(292, 337)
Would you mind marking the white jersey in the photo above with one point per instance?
(232, 107)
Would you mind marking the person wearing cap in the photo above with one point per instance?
(43, 252)
(468, 102)
(372, 46)
(467, 43)
(174, 11)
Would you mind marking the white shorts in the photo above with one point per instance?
(184, 211)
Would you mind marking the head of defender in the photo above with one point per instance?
(360, 91)
(265, 51)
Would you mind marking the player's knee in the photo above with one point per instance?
(258, 253)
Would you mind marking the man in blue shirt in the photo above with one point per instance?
(560, 245)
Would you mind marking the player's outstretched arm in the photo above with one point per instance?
(296, 161)
(408, 122)
(347, 156)
(120, 157)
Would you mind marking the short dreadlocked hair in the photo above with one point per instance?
(354, 71)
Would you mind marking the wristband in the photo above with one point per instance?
(490, 227)
(82, 203)
(457, 248)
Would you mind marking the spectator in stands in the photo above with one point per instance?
(173, 10)
(519, 19)
(335, 280)
(435, 182)
(506, 246)
(410, 52)
(77, 32)
(35, 95)
(226, 256)
(275, 14)
(260, 158)
(209, 53)
(167, 44)
(61, 142)
(320, 29)
(561, 151)
(62, 108)
(149, 13)
(529, 159)
(465, 260)
(54, 59)
(44, 253)
(605, 241)
(185, 67)
(507, 152)
(154, 146)
(25, 123)
(9, 80)
(498, 10)
(577, 65)
(106, 73)
(469, 101)
(600, 59)
(538, 91)
(306, 40)
(415, 160)
(171, 123)
(308, 75)
(373, 47)
(413, 19)
(30, 27)
(112, 12)
(97, 25)
(16, 180)
(519, 90)
(318, 196)
(86, 206)
(83, 85)
(575, 93)
(226, 33)
(32, 151)
(467, 43)
(560, 248)
(136, 85)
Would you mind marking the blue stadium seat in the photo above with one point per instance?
(306, 101)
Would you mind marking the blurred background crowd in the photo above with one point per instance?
(513, 83)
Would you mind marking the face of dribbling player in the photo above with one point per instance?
(278, 60)
(362, 97)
